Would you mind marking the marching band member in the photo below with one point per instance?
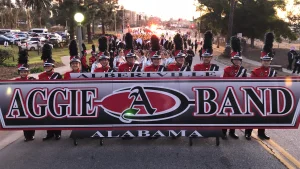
(73, 50)
(118, 60)
(264, 71)
(75, 65)
(156, 64)
(207, 55)
(178, 41)
(236, 70)
(179, 65)
(49, 74)
(46, 52)
(104, 61)
(23, 71)
(130, 65)
(129, 44)
(155, 47)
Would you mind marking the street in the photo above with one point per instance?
(144, 153)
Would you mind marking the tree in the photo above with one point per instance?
(38, 6)
(105, 12)
(265, 20)
(253, 18)
(64, 13)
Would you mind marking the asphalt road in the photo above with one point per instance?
(137, 153)
(143, 153)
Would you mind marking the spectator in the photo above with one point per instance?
(291, 57)
(297, 65)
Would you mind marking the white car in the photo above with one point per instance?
(33, 45)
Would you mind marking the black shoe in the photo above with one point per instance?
(57, 137)
(233, 135)
(29, 139)
(248, 136)
(224, 137)
(263, 136)
(48, 137)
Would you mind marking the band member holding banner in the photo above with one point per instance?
(155, 67)
(104, 61)
(49, 74)
(75, 65)
(236, 70)
(207, 55)
(264, 71)
(23, 71)
(179, 65)
(130, 65)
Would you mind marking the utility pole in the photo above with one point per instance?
(230, 25)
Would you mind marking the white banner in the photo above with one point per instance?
(207, 74)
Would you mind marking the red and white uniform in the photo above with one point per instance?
(263, 72)
(206, 67)
(92, 59)
(118, 60)
(67, 75)
(25, 78)
(129, 68)
(235, 71)
(177, 67)
(152, 68)
(49, 76)
(104, 69)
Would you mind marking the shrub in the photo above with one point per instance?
(6, 53)
(37, 69)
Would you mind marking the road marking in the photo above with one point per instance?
(285, 153)
(276, 150)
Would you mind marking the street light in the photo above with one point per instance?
(79, 17)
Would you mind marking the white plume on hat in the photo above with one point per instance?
(293, 48)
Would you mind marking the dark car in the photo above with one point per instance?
(3, 39)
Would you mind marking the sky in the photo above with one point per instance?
(165, 9)
(295, 10)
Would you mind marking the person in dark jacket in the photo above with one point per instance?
(291, 57)
(190, 56)
(297, 64)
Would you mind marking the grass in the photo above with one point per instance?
(34, 58)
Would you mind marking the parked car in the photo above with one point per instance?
(4, 38)
(33, 45)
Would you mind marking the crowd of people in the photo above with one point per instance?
(130, 57)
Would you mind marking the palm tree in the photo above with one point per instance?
(38, 6)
